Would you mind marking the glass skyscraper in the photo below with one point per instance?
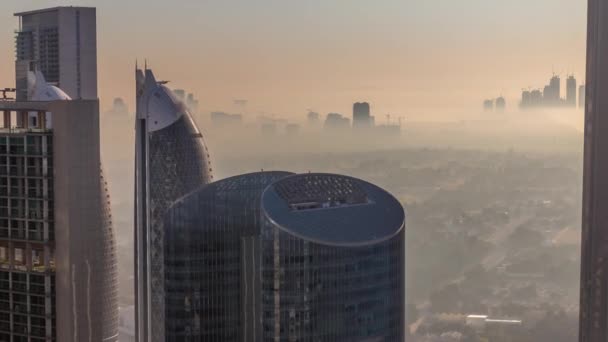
(273, 256)
(594, 244)
(171, 160)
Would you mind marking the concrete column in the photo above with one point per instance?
(7, 119)
(42, 120)
(24, 120)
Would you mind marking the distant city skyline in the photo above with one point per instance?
(273, 56)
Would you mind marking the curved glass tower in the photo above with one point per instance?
(333, 261)
(273, 256)
(212, 261)
(171, 160)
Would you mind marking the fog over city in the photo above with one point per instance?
(463, 124)
(493, 205)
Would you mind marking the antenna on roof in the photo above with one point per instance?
(145, 64)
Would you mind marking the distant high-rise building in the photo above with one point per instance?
(187, 99)
(525, 99)
(336, 121)
(536, 98)
(361, 115)
(272, 256)
(61, 42)
(313, 118)
(488, 105)
(500, 104)
(571, 91)
(581, 96)
(192, 103)
(222, 119)
(57, 250)
(550, 96)
(119, 107)
(594, 244)
(180, 94)
(171, 160)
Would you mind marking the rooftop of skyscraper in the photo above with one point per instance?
(333, 209)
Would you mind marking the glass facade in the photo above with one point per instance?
(210, 260)
(178, 164)
(107, 300)
(314, 292)
(593, 323)
(277, 257)
(172, 160)
(27, 235)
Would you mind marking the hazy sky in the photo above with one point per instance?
(423, 59)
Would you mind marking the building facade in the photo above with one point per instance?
(171, 160)
(61, 42)
(273, 256)
(57, 250)
(594, 244)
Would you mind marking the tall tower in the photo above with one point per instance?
(571, 91)
(272, 256)
(581, 96)
(501, 104)
(361, 115)
(552, 91)
(61, 42)
(594, 258)
(57, 250)
(171, 160)
(555, 85)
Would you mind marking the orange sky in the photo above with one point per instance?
(423, 59)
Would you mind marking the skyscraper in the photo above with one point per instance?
(571, 91)
(501, 104)
(171, 160)
(581, 96)
(594, 245)
(313, 118)
(361, 115)
(57, 248)
(488, 105)
(555, 85)
(335, 121)
(61, 42)
(272, 256)
(551, 92)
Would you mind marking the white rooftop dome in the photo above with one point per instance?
(40, 90)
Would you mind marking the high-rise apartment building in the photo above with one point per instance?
(335, 121)
(571, 91)
(171, 160)
(555, 86)
(61, 42)
(57, 257)
(361, 115)
(272, 256)
(594, 258)
(500, 104)
(57, 250)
